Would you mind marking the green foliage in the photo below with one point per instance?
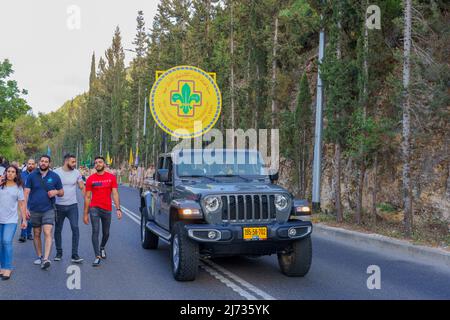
(12, 105)
(386, 207)
(6, 139)
(367, 136)
(341, 98)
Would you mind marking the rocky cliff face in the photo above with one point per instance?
(430, 175)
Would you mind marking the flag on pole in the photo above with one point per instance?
(136, 163)
(130, 161)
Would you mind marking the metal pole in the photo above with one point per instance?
(145, 130)
(77, 155)
(101, 138)
(145, 115)
(317, 164)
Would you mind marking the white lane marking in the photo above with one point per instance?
(213, 269)
(228, 283)
(131, 212)
(131, 215)
(239, 280)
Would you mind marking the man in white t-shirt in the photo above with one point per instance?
(67, 206)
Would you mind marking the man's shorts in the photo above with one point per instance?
(39, 219)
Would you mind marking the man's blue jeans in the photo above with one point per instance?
(70, 212)
(7, 232)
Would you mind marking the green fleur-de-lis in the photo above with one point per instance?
(186, 98)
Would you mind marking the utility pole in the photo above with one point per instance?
(145, 129)
(317, 164)
(101, 138)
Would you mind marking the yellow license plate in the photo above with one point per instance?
(259, 233)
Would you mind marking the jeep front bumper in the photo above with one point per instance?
(233, 233)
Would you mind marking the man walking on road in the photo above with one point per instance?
(97, 206)
(41, 188)
(27, 233)
(67, 206)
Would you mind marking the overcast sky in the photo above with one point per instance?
(51, 57)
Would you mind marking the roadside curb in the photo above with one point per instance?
(377, 241)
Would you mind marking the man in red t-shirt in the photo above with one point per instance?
(97, 205)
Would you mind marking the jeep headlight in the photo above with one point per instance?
(281, 202)
(212, 203)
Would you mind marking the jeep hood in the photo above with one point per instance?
(204, 188)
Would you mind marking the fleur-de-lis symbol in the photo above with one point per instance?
(186, 98)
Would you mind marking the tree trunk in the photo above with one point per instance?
(337, 149)
(362, 172)
(375, 189)
(337, 181)
(406, 132)
(274, 72)
(232, 67)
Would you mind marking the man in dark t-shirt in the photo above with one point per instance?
(97, 206)
(41, 188)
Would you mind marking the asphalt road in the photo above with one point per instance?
(339, 271)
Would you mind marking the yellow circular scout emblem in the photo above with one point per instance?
(185, 101)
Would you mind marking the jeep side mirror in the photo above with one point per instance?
(274, 177)
(162, 175)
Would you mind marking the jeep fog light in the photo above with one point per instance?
(292, 232)
(212, 235)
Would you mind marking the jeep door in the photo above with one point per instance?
(157, 194)
(166, 189)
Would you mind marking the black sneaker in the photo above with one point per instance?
(102, 253)
(76, 259)
(22, 239)
(30, 237)
(58, 257)
(45, 264)
(96, 262)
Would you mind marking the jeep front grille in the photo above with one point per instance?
(248, 208)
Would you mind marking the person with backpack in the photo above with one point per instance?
(41, 188)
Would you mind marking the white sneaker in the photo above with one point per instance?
(38, 261)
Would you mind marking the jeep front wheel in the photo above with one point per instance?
(295, 260)
(149, 240)
(185, 254)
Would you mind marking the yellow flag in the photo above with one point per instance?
(130, 161)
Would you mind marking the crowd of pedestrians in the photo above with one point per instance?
(40, 199)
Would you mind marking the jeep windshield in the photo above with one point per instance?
(216, 164)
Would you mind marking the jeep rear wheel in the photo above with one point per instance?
(149, 240)
(185, 254)
(295, 260)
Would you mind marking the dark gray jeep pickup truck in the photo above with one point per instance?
(206, 209)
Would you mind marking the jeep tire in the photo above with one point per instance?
(149, 240)
(295, 260)
(184, 254)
